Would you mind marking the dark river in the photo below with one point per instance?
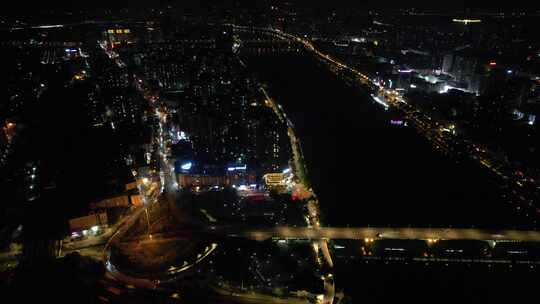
(367, 171)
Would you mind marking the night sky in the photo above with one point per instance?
(29, 6)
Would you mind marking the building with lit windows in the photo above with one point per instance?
(118, 35)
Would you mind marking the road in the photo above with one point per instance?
(94, 240)
(168, 194)
(393, 233)
(253, 297)
(367, 233)
(302, 188)
(149, 199)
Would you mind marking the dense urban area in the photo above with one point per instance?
(269, 152)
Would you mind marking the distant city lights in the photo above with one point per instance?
(467, 21)
(237, 168)
(445, 89)
(181, 135)
(186, 166)
(380, 101)
(358, 39)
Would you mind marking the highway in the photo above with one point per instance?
(392, 233)
(361, 233)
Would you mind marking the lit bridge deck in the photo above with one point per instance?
(390, 233)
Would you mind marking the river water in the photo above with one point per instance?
(367, 171)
